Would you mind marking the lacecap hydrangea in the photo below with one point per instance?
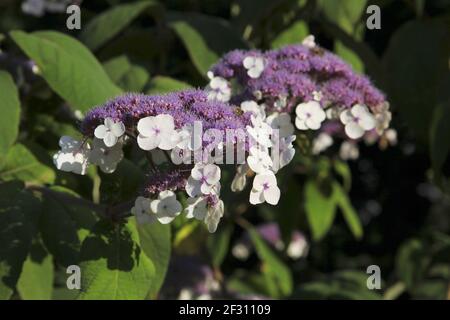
(185, 136)
(310, 85)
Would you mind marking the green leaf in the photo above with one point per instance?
(108, 24)
(218, 244)
(69, 68)
(36, 280)
(206, 38)
(415, 69)
(162, 84)
(349, 213)
(411, 262)
(122, 184)
(346, 14)
(18, 212)
(350, 56)
(155, 241)
(10, 113)
(21, 164)
(59, 231)
(320, 210)
(439, 139)
(294, 34)
(342, 169)
(114, 265)
(128, 76)
(278, 275)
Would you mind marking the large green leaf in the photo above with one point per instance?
(162, 84)
(18, 213)
(59, 231)
(122, 184)
(346, 13)
(128, 76)
(278, 276)
(349, 213)
(155, 241)
(415, 70)
(294, 34)
(108, 24)
(21, 164)
(10, 113)
(69, 68)
(320, 210)
(206, 38)
(113, 264)
(36, 280)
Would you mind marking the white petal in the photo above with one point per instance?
(367, 121)
(254, 73)
(147, 143)
(164, 219)
(145, 126)
(100, 131)
(197, 171)
(110, 139)
(248, 62)
(256, 197)
(346, 116)
(193, 187)
(300, 124)
(312, 124)
(354, 130)
(272, 195)
(118, 129)
(212, 173)
(109, 122)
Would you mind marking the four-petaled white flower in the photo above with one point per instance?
(321, 143)
(349, 151)
(254, 66)
(73, 156)
(260, 132)
(142, 211)
(265, 189)
(218, 88)
(106, 158)
(357, 121)
(282, 123)
(259, 160)
(196, 208)
(157, 132)
(110, 132)
(240, 179)
(309, 41)
(166, 207)
(383, 118)
(286, 153)
(258, 111)
(310, 115)
(213, 216)
(204, 179)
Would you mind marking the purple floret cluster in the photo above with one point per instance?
(173, 180)
(184, 106)
(293, 73)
